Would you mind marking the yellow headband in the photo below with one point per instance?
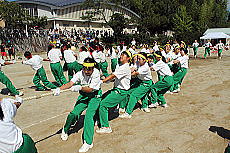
(88, 64)
(157, 55)
(142, 56)
(128, 52)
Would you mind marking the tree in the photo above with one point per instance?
(182, 24)
(117, 22)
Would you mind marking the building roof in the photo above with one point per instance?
(57, 3)
(224, 30)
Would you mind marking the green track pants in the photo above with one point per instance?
(103, 66)
(73, 68)
(220, 52)
(28, 145)
(178, 78)
(89, 101)
(57, 72)
(195, 50)
(140, 92)
(207, 51)
(6, 81)
(110, 99)
(114, 63)
(41, 76)
(160, 88)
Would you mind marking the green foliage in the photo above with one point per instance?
(117, 22)
(17, 17)
(182, 24)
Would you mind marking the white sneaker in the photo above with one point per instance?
(121, 110)
(153, 105)
(64, 136)
(104, 130)
(85, 147)
(147, 110)
(125, 115)
(164, 105)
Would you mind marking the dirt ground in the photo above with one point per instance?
(183, 127)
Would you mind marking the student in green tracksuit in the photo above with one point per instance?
(100, 58)
(112, 98)
(72, 65)
(144, 76)
(113, 54)
(179, 76)
(6, 81)
(55, 56)
(208, 46)
(163, 84)
(89, 98)
(12, 140)
(36, 64)
(195, 46)
(220, 47)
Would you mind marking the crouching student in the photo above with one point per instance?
(163, 84)
(112, 98)
(144, 76)
(12, 140)
(36, 64)
(179, 76)
(90, 97)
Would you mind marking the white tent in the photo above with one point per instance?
(215, 35)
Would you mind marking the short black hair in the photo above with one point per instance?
(1, 113)
(89, 60)
(144, 54)
(27, 53)
(83, 48)
(184, 49)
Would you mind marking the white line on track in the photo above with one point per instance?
(44, 120)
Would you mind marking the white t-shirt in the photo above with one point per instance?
(82, 56)
(123, 76)
(35, 62)
(92, 81)
(132, 51)
(172, 56)
(220, 46)
(96, 55)
(113, 55)
(145, 50)
(54, 55)
(156, 48)
(162, 68)
(208, 44)
(10, 135)
(184, 61)
(144, 72)
(1, 63)
(195, 44)
(69, 56)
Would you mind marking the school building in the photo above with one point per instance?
(70, 14)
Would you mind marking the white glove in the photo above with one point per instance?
(76, 88)
(56, 91)
(101, 82)
(19, 99)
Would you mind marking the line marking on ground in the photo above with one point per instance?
(44, 120)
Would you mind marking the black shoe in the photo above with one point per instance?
(39, 89)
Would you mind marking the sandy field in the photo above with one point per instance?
(183, 127)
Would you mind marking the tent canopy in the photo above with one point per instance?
(215, 35)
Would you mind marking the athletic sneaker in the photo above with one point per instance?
(64, 136)
(104, 130)
(147, 110)
(85, 147)
(164, 105)
(121, 110)
(153, 105)
(125, 115)
(21, 93)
